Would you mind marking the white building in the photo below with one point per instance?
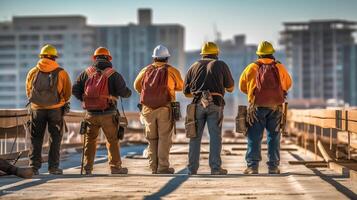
(21, 41)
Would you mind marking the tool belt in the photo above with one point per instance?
(241, 120)
(205, 97)
(122, 124)
(175, 111)
(190, 121)
(246, 116)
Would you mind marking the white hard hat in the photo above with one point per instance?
(160, 52)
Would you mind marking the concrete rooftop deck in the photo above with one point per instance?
(295, 182)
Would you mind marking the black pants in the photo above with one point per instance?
(7, 167)
(40, 119)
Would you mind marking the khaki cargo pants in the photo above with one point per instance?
(158, 132)
(109, 128)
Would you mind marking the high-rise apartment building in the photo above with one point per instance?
(21, 41)
(316, 54)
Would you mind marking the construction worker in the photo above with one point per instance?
(10, 169)
(98, 88)
(48, 88)
(157, 84)
(266, 83)
(206, 81)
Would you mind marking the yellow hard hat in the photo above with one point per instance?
(209, 48)
(265, 48)
(48, 50)
(102, 51)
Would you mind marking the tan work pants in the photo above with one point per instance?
(158, 132)
(109, 128)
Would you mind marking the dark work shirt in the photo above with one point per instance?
(218, 78)
(117, 86)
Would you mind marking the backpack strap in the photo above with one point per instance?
(35, 76)
(108, 71)
(90, 71)
(257, 62)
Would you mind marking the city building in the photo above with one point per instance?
(350, 74)
(21, 41)
(131, 46)
(318, 53)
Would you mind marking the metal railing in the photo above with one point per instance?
(15, 135)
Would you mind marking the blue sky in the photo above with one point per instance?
(258, 19)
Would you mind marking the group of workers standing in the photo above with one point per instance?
(48, 88)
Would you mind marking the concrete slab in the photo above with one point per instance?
(296, 181)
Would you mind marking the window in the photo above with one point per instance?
(7, 88)
(7, 47)
(53, 37)
(35, 28)
(7, 78)
(7, 38)
(7, 56)
(7, 65)
(29, 37)
(7, 98)
(57, 27)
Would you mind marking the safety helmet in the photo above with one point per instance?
(209, 48)
(48, 50)
(160, 51)
(265, 48)
(102, 51)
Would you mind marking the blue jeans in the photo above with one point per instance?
(213, 115)
(270, 120)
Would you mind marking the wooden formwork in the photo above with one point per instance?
(329, 126)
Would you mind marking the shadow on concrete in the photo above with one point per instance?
(73, 160)
(330, 179)
(171, 186)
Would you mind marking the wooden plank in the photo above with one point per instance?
(339, 168)
(342, 137)
(12, 132)
(352, 115)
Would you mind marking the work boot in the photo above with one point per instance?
(35, 171)
(251, 170)
(55, 171)
(169, 170)
(221, 171)
(119, 170)
(274, 170)
(24, 172)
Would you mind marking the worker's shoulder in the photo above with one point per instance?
(279, 64)
(218, 63)
(33, 70)
(173, 69)
(252, 66)
(62, 71)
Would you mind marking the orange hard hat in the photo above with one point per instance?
(102, 51)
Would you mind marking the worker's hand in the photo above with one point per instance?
(252, 114)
